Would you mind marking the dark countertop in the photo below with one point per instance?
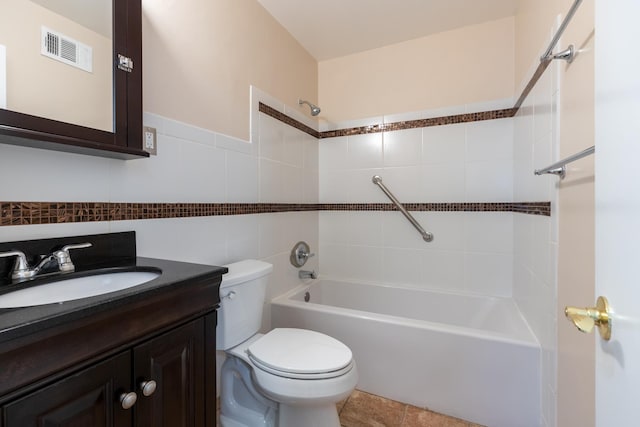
(18, 322)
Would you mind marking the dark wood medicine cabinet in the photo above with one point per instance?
(125, 141)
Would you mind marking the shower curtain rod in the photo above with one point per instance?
(547, 53)
(559, 168)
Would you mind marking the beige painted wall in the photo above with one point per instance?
(467, 65)
(201, 56)
(533, 23)
(576, 257)
(576, 250)
(44, 87)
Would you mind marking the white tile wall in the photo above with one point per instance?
(33, 174)
(444, 145)
(288, 163)
(536, 238)
(403, 148)
(241, 177)
(364, 151)
(454, 163)
(192, 165)
(471, 252)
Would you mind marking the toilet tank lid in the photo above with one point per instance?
(244, 271)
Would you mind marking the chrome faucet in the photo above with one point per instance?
(21, 269)
(304, 274)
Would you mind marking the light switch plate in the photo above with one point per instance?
(149, 140)
(3, 76)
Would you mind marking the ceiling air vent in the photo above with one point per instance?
(67, 50)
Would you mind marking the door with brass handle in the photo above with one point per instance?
(586, 318)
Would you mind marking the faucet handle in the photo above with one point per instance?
(300, 254)
(67, 248)
(64, 258)
(21, 268)
(306, 255)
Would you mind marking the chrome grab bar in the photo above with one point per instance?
(426, 236)
(559, 168)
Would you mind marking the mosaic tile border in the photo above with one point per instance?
(272, 112)
(32, 213)
(532, 208)
(387, 127)
(422, 123)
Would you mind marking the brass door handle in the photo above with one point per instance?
(586, 318)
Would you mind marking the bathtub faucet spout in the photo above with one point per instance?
(304, 274)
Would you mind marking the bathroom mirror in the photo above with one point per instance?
(61, 85)
(57, 56)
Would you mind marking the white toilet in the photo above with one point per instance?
(285, 378)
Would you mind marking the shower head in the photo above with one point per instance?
(315, 110)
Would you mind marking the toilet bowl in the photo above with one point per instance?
(287, 377)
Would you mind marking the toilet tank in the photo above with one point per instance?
(242, 296)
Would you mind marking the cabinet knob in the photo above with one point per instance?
(148, 387)
(127, 400)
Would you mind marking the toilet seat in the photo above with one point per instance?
(300, 354)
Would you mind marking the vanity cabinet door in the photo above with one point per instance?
(175, 361)
(87, 398)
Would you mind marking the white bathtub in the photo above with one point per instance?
(468, 356)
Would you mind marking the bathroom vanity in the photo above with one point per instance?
(143, 356)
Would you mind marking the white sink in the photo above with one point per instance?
(76, 288)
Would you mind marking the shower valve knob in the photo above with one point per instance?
(300, 254)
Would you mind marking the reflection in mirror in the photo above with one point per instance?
(57, 57)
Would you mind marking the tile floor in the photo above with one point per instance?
(368, 410)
